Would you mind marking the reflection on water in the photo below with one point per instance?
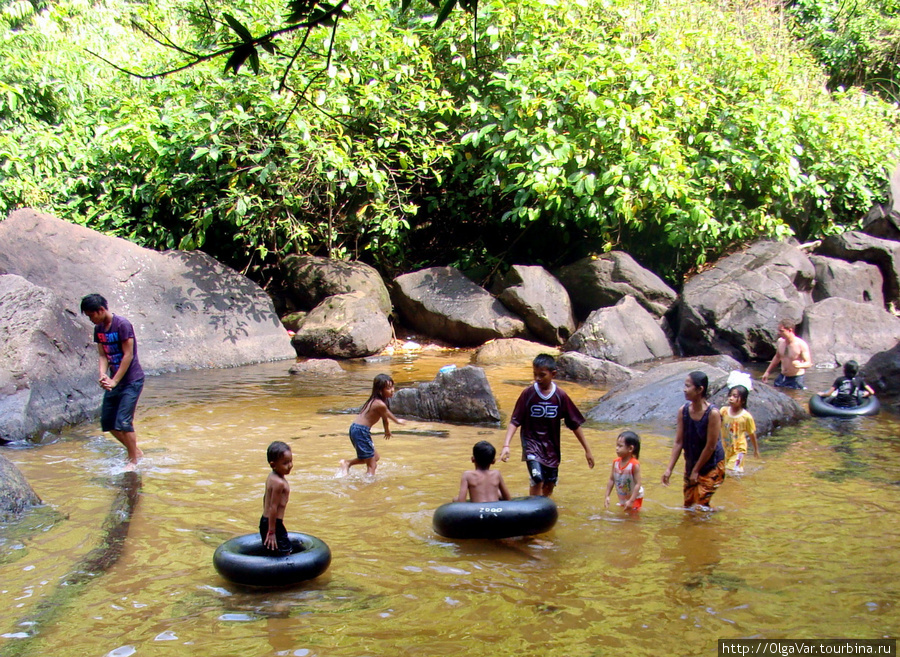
(805, 546)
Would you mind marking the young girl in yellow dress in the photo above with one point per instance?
(737, 426)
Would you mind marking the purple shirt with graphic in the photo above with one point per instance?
(111, 339)
(539, 416)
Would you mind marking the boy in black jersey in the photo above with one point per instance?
(849, 390)
(540, 410)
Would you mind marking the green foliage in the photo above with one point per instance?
(670, 138)
(200, 161)
(858, 43)
(669, 129)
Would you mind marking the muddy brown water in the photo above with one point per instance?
(805, 545)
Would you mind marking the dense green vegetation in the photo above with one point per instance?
(670, 129)
(858, 43)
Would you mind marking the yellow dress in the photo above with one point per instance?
(735, 429)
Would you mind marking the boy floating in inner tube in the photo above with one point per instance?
(849, 390)
(482, 484)
(278, 490)
(540, 410)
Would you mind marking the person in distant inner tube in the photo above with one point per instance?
(848, 391)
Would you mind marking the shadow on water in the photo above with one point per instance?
(95, 563)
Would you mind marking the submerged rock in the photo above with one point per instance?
(460, 395)
(16, 495)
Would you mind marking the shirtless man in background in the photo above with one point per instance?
(792, 353)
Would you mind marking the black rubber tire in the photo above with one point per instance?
(243, 560)
(821, 408)
(522, 516)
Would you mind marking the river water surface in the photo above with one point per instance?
(805, 545)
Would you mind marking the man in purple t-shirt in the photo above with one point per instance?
(121, 375)
(540, 410)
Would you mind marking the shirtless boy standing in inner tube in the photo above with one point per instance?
(278, 490)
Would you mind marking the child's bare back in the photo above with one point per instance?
(482, 486)
(370, 414)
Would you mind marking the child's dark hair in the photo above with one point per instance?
(632, 440)
(92, 303)
(379, 384)
(851, 369)
(742, 392)
(276, 450)
(545, 361)
(700, 380)
(484, 454)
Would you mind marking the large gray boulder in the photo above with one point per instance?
(734, 306)
(575, 366)
(188, 310)
(16, 495)
(857, 281)
(534, 294)
(655, 397)
(854, 246)
(48, 362)
(838, 330)
(882, 372)
(601, 281)
(461, 395)
(625, 334)
(442, 303)
(309, 280)
(343, 326)
(510, 351)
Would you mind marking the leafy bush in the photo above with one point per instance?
(682, 131)
(858, 43)
(670, 129)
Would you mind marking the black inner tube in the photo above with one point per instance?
(522, 516)
(244, 560)
(819, 407)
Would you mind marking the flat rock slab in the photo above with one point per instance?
(188, 310)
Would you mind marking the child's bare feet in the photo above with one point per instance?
(345, 467)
